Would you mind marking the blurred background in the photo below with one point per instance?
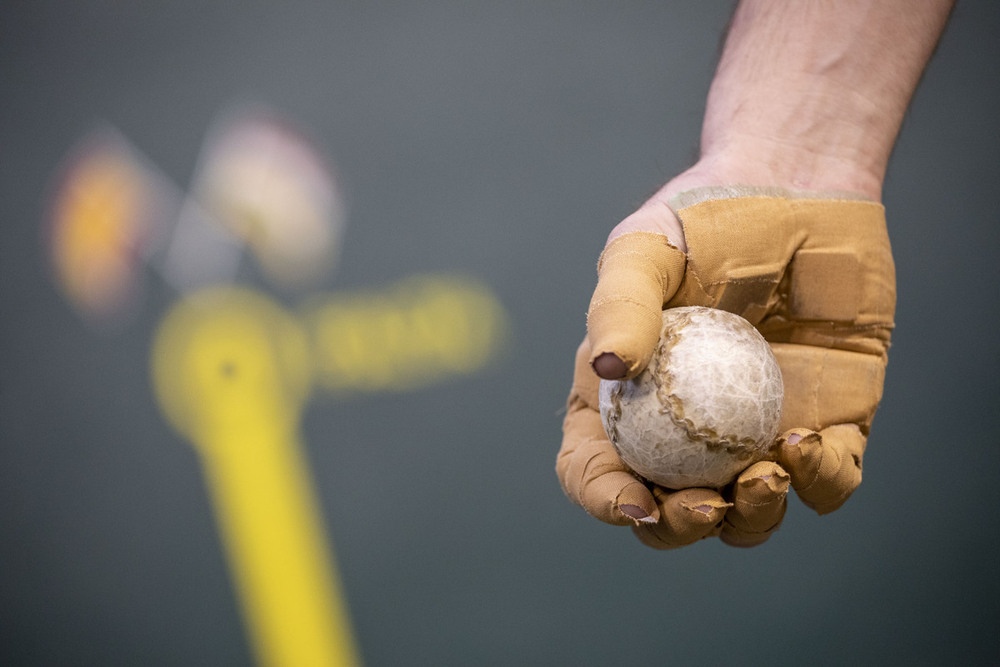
(455, 160)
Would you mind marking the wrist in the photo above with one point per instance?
(833, 165)
(806, 132)
(754, 162)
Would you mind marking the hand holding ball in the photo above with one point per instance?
(706, 407)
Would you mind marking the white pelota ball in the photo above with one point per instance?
(707, 406)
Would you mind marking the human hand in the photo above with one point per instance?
(814, 274)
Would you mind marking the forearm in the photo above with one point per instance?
(811, 94)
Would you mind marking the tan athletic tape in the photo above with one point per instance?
(637, 273)
(759, 502)
(808, 271)
(813, 273)
(816, 276)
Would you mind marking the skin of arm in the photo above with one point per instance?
(819, 106)
(808, 95)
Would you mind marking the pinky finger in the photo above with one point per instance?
(825, 466)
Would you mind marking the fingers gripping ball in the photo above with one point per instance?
(707, 406)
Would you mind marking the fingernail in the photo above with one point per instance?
(637, 513)
(794, 438)
(609, 366)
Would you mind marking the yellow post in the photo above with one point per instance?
(231, 372)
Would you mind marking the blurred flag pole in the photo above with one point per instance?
(232, 373)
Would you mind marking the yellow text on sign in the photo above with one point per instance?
(415, 333)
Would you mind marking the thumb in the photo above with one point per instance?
(638, 272)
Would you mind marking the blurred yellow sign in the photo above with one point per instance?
(232, 371)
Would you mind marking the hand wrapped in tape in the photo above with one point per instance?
(814, 274)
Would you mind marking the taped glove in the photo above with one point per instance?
(815, 275)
